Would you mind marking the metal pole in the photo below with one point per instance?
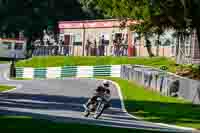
(12, 67)
(83, 50)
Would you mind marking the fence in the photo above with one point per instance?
(68, 71)
(52, 50)
(68, 50)
(165, 83)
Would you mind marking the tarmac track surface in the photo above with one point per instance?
(61, 101)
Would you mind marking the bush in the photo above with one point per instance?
(196, 69)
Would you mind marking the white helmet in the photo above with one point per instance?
(106, 83)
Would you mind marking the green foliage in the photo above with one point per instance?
(92, 10)
(196, 69)
(193, 68)
(134, 9)
(156, 14)
(33, 16)
(163, 67)
(5, 88)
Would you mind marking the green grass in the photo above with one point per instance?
(151, 106)
(21, 78)
(3, 62)
(27, 124)
(53, 61)
(5, 88)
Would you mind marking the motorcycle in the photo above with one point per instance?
(97, 107)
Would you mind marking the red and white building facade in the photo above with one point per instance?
(78, 32)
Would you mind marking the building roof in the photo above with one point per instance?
(103, 23)
(13, 40)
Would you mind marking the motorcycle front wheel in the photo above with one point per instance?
(99, 111)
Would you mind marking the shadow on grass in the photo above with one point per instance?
(24, 125)
(5, 59)
(171, 113)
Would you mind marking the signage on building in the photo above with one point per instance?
(91, 24)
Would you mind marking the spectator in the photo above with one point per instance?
(117, 46)
(102, 46)
(66, 50)
(55, 45)
(62, 46)
(88, 45)
(93, 48)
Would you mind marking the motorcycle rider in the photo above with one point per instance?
(100, 92)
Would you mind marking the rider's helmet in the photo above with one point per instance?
(106, 83)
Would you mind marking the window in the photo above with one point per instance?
(106, 37)
(166, 42)
(173, 47)
(7, 45)
(125, 39)
(136, 38)
(77, 39)
(188, 46)
(18, 46)
(167, 39)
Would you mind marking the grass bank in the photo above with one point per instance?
(3, 62)
(52, 61)
(5, 88)
(151, 106)
(27, 124)
(21, 78)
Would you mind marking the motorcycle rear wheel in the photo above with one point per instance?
(86, 113)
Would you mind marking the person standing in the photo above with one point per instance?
(117, 47)
(95, 47)
(66, 49)
(88, 45)
(102, 46)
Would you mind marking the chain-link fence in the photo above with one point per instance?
(165, 83)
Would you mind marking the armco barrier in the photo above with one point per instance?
(167, 84)
(69, 71)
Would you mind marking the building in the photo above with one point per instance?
(166, 47)
(77, 34)
(13, 48)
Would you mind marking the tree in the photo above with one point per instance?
(33, 16)
(92, 10)
(156, 15)
(137, 10)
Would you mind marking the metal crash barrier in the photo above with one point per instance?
(160, 81)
